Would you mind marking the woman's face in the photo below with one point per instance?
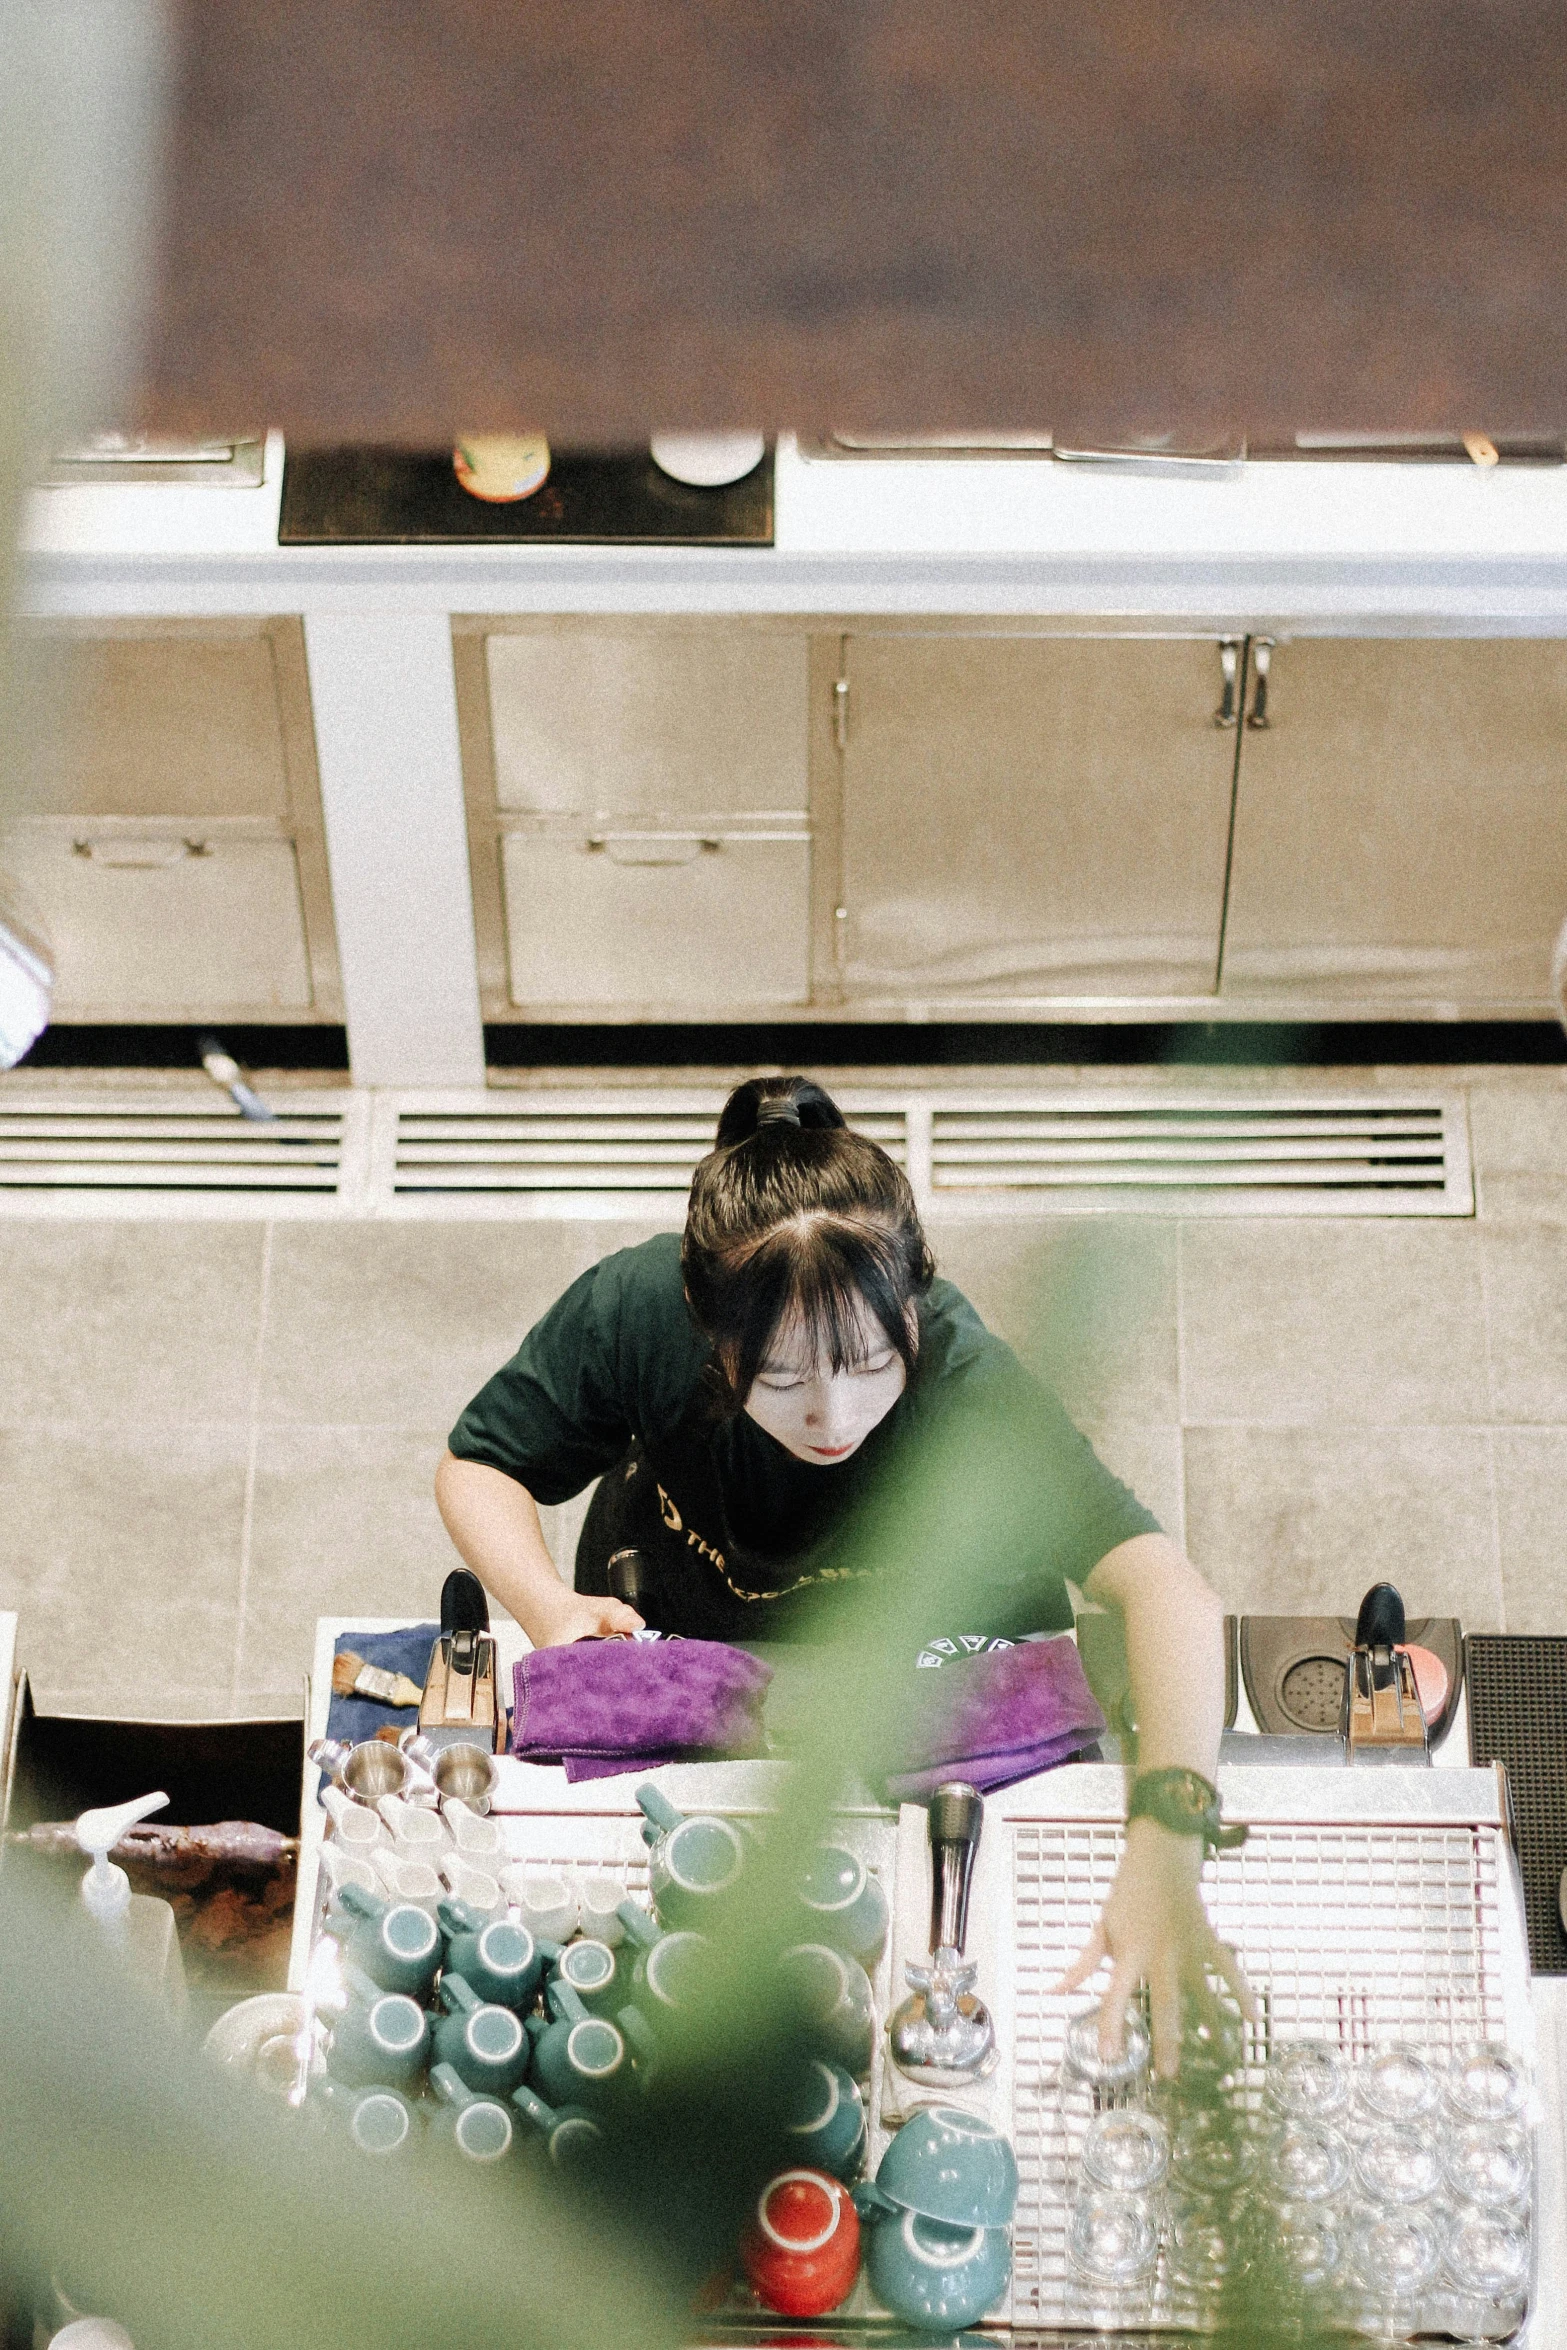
(819, 1414)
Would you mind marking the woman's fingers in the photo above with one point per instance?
(1226, 1961)
(1087, 1962)
(1164, 2001)
(1124, 1979)
(620, 1618)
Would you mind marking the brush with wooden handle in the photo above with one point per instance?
(352, 1677)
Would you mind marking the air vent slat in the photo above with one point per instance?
(125, 1156)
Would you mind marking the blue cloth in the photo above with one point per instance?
(353, 1718)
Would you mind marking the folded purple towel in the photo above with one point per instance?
(994, 1719)
(605, 1706)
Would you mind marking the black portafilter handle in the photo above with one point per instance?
(957, 1813)
(628, 1577)
(1380, 1628)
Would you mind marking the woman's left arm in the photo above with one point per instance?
(1154, 1927)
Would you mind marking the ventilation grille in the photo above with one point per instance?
(1207, 1153)
(575, 1152)
(1517, 1689)
(618, 1152)
(173, 1148)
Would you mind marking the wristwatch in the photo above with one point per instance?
(1186, 1803)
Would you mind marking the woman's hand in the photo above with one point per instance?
(1154, 1930)
(577, 1615)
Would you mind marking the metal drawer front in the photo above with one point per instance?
(667, 920)
(151, 920)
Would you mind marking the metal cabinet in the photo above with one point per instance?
(168, 831)
(1400, 825)
(638, 816)
(1026, 820)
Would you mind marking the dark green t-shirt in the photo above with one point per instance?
(617, 1361)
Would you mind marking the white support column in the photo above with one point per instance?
(397, 844)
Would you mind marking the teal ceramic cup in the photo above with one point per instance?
(495, 1957)
(590, 1970)
(382, 2124)
(829, 1993)
(396, 1944)
(484, 2044)
(844, 1904)
(693, 1862)
(570, 2136)
(479, 2129)
(933, 2276)
(668, 1970)
(579, 2059)
(825, 2120)
(380, 2040)
(947, 2165)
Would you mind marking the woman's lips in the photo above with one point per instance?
(831, 1452)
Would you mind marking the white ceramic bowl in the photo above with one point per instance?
(707, 460)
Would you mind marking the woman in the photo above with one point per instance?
(745, 1393)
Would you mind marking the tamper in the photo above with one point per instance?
(943, 2032)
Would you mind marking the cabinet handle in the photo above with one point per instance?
(1229, 670)
(654, 848)
(1261, 657)
(840, 713)
(140, 855)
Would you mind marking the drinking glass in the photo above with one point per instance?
(1203, 2242)
(1487, 2252)
(1126, 2151)
(1395, 2253)
(1308, 2080)
(1309, 2162)
(1081, 2060)
(1309, 2239)
(1398, 2083)
(1487, 2083)
(1113, 2239)
(1210, 2152)
(1399, 2164)
(1487, 2164)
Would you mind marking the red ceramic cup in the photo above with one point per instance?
(802, 2249)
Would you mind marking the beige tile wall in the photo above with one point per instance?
(210, 1434)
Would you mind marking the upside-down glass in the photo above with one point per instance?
(1487, 2252)
(1082, 2062)
(1211, 2151)
(1309, 2239)
(1394, 2254)
(1399, 2163)
(1204, 2240)
(1308, 2080)
(1398, 2083)
(1113, 2239)
(1487, 2083)
(1487, 2164)
(1308, 2162)
(1127, 2151)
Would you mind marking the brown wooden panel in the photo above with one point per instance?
(389, 217)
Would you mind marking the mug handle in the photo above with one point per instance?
(656, 1808)
(869, 2201)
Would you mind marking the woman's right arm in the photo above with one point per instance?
(494, 1523)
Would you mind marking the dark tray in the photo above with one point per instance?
(369, 497)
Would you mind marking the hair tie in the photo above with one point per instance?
(776, 1113)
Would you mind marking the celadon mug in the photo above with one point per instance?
(579, 2059)
(692, 1861)
(826, 2120)
(831, 1994)
(478, 2128)
(380, 2039)
(844, 1904)
(936, 2277)
(485, 2045)
(497, 1958)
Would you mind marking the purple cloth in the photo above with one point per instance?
(607, 1706)
(996, 1718)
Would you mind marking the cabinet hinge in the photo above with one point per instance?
(840, 713)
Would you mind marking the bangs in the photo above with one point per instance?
(839, 1284)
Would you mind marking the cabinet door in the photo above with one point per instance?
(145, 924)
(1032, 818)
(1401, 825)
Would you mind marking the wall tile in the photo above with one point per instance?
(398, 1325)
(1149, 1461)
(1531, 1508)
(1089, 1303)
(122, 1322)
(1294, 1521)
(1322, 1323)
(1526, 1309)
(120, 1551)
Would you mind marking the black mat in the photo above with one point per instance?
(1518, 1716)
(370, 497)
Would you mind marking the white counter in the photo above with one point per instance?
(1316, 543)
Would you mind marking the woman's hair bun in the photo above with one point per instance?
(773, 1102)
